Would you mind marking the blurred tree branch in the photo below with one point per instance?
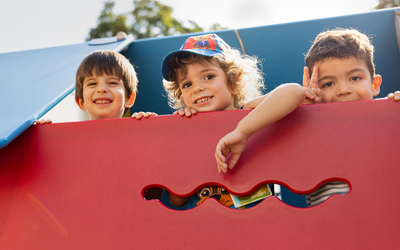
(384, 4)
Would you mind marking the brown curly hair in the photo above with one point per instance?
(243, 74)
(341, 43)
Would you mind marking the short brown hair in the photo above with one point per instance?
(244, 76)
(341, 43)
(109, 63)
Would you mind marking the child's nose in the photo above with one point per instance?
(198, 87)
(102, 88)
(344, 88)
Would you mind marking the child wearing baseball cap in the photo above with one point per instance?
(206, 74)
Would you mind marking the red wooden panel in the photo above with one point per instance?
(79, 185)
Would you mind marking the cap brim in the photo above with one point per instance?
(202, 52)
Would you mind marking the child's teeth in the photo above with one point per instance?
(102, 101)
(203, 100)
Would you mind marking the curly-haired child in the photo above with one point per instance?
(206, 74)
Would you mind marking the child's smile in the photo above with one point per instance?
(205, 88)
(203, 100)
(102, 101)
(104, 97)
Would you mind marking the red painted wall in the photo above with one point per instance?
(79, 185)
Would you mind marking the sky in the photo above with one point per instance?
(27, 24)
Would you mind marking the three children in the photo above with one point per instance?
(206, 74)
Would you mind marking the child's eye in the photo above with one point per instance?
(355, 78)
(91, 84)
(209, 77)
(329, 84)
(113, 83)
(186, 85)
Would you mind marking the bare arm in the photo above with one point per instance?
(279, 103)
(310, 86)
(255, 102)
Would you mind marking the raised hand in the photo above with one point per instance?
(311, 86)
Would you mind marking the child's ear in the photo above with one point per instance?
(376, 85)
(80, 103)
(130, 100)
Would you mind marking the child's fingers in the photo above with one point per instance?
(218, 155)
(185, 112)
(314, 85)
(43, 121)
(311, 96)
(309, 93)
(314, 79)
(317, 92)
(181, 112)
(314, 94)
(137, 115)
(188, 112)
(219, 168)
(396, 96)
(220, 159)
(306, 77)
(148, 114)
(233, 160)
(222, 168)
(193, 111)
(390, 96)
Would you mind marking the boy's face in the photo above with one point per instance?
(205, 88)
(104, 97)
(346, 79)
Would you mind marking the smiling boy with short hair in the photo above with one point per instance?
(343, 59)
(105, 85)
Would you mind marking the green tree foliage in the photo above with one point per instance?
(109, 23)
(383, 4)
(149, 18)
